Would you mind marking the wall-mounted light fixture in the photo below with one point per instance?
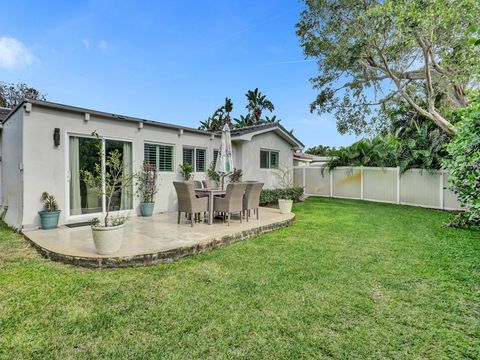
(140, 125)
(28, 107)
(180, 132)
(212, 137)
(56, 137)
(87, 117)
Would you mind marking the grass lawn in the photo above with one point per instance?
(350, 279)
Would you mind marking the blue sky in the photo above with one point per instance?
(168, 61)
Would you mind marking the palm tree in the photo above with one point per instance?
(269, 120)
(243, 121)
(257, 102)
(214, 122)
(228, 107)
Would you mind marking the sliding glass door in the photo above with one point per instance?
(84, 154)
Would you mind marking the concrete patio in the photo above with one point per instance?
(150, 240)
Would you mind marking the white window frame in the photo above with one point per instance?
(86, 217)
(195, 148)
(269, 151)
(174, 163)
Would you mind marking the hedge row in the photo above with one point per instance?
(271, 196)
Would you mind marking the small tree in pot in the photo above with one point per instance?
(108, 232)
(50, 213)
(236, 176)
(186, 170)
(147, 188)
(285, 179)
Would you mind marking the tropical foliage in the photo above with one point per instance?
(321, 150)
(257, 103)
(371, 53)
(420, 146)
(220, 117)
(463, 161)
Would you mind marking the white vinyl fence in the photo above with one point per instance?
(413, 187)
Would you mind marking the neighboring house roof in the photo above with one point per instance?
(4, 112)
(310, 158)
(246, 133)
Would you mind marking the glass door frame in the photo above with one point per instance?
(86, 217)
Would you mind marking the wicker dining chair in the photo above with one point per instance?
(210, 184)
(251, 199)
(232, 202)
(188, 202)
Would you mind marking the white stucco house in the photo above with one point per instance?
(303, 159)
(44, 145)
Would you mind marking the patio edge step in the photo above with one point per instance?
(157, 257)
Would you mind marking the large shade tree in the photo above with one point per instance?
(373, 52)
(11, 94)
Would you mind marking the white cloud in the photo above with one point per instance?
(86, 43)
(14, 54)
(102, 45)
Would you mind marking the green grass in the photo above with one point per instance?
(349, 280)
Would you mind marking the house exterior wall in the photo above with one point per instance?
(46, 165)
(12, 174)
(251, 158)
(28, 145)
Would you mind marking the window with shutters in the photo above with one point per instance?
(196, 157)
(200, 160)
(160, 156)
(188, 154)
(269, 159)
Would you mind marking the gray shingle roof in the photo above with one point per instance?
(4, 113)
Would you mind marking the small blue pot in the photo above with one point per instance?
(49, 219)
(146, 209)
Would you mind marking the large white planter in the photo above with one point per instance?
(108, 240)
(285, 206)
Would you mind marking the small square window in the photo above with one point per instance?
(269, 159)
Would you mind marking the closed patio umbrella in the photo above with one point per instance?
(224, 164)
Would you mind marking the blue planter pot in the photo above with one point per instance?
(49, 219)
(146, 209)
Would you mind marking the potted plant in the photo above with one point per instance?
(285, 179)
(147, 188)
(186, 170)
(236, 176)
(212, 174)
(108, 232)
(50, 213)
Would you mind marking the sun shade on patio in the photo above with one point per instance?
(224, 164)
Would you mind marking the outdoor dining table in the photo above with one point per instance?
(211, 193)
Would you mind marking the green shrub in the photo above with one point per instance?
(186, 170)
(271, 196)
(463, 161)
(212, 174)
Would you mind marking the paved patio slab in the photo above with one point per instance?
(150, 240)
